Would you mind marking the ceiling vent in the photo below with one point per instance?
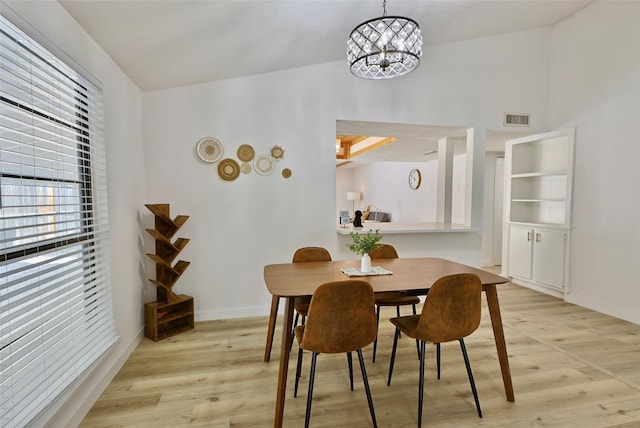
(517, 119)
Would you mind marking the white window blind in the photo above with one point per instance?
(55, 304)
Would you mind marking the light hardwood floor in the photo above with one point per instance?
(571, 367)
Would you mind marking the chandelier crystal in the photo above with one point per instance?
(384, 47)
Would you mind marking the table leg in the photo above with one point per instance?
(498, 334)
(273, 315)
(285, 348)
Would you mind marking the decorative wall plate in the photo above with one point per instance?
(276, 153)
(245, 167)
(209, 149)
(263, 164)
(246, 153)
(286, 173)
(228, 169)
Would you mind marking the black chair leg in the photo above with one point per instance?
(398, 315)
(298, 371)
(312, 376)
(366, 388)
(417, 341)
(375, 342)
(473, 384)
(393, 354)
(438, 358)
(350, 361)
(421, 383)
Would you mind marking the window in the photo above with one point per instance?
(55, 303)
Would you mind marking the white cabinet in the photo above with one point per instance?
(520, 252)
(537, 210)
(549, 248)
(538, 256)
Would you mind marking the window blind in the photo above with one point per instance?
(55, 304)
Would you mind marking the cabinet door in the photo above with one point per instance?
(548, 257)
(520, 249)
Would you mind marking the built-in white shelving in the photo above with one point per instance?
(538, 187)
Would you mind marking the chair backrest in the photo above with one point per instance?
(451, 310)
(341, 317)
(311, 254)
(386, 251)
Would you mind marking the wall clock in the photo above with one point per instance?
(415, 178)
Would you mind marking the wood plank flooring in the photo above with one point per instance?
(571, 367)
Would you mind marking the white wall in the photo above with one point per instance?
(344, 184)
(236, 228)
(386, 185)
(594, 85)
(126, 190)
(458, 188)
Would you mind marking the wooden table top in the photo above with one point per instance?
(301, 279)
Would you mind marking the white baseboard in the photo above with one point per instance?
(222, 314)
(599, 306)
(546, 290)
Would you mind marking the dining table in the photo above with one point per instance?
(414, 275)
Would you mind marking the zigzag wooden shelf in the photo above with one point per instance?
(171, 313)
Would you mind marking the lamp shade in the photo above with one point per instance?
(353, 196)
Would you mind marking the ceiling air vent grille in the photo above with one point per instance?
(517, 119)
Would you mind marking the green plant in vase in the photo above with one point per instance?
(363, 244)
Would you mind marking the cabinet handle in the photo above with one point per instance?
(529, 236)
(538, 237)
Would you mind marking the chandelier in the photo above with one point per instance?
(385, 47)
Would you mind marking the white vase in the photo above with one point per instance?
(365, 264)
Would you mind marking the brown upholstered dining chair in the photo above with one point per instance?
(307, 254)
(341, 318)
(451, 312)
(390, 298)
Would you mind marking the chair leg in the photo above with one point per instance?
(393, 354)
(417, 341)
(293, 329)
(438, 358)
(298, 371)
(312, 376)
(366, 387)
(375, 342)
(350, 361)
(473, 384)
(421, 383)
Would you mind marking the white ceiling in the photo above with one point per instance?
(171, 43)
